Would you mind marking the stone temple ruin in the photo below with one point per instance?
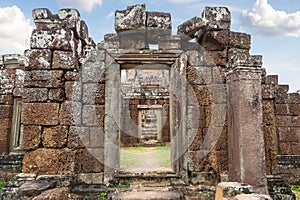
(67, 107)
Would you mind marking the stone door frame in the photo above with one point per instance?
(127, 59)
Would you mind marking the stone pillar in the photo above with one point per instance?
(245, 134)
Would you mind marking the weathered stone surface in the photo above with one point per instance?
(34, 188)
(245, 137)
(111, 41)
(49, 161)
(7, 78)
(31, 137)
(294, 108)
(282, 109)
(199, 75)
(35, 95)
(252, 197)
(38, 59)
(158, 24)
(131, 19)
(64, 60)
(57, 194)
(203, 94)
(56, 95)
(44, 78)
(5, 123)
(188, 44)
(191, 26)
(96, 137)
(6, 111)
(215, 40)
(270, 136)
(70, 113)
(89, 161)
(215, 58)
(289, 134)
(228, 190)
(55, 137)
(169, 42)
(93, 94)
(93, 71)
(54, 39)
(71, 75)
(218, 75)
(93, 115)
(78, 137)
(288, 148)
(6, 99)
(217, 18)
(158, 195)
(40, 113)
(73, 91)
(71, 19)
(233, 52)
(278, 187)
(195, 58)
(44, 19)
(268, 91)
(41, 13)
(239, 40)
(133, 40)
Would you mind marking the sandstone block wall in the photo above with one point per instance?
(59, 88)
(281, 128)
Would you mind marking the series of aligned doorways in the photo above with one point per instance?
(145, 120)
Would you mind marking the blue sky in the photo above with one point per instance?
(273, 24)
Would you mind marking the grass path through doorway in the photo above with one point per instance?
(145, 159)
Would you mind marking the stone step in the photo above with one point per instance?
(149, 137)
(147, 195)
(149, 130)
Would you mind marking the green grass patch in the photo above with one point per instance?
(295, 188)
(2, 184)
(102, 195)
(135, 157)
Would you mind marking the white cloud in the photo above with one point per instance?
(110, 15)
(86, 5)
(15, 30)
(182, 1)
(265, 20)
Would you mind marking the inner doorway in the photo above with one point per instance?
(145, 120)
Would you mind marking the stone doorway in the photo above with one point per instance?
(121, 108)
(150, 124)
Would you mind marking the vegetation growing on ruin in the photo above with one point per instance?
(296, 186)
(102, 195)
(2, 184)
